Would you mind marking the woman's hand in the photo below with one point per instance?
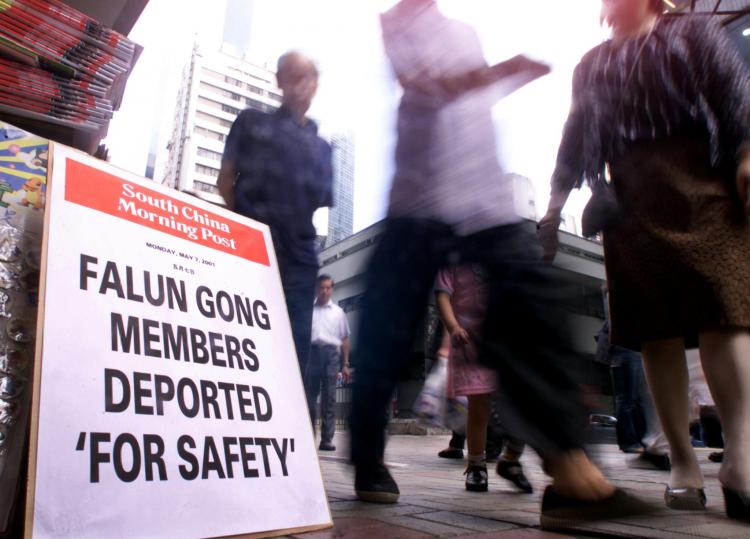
(548, 237)
(743, 180)
(459, 336)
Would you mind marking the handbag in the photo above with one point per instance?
(434, 408)
(602, 211)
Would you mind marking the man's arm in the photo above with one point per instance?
(228, 171)
(225, 183)
(345, 347)
(482, 77)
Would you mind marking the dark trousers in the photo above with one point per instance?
(711, 431)
(298, 281)
(632, 400)
(320, 379)
(525, 338)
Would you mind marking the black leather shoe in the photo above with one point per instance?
(737, 504)
(513, 472)
(326, 446)
(476, 478)
(451, 453)
(685, 499)
(563, 513)
(375, 485)
(717, 456)
(650, 461)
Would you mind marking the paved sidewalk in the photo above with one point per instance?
(434, 503)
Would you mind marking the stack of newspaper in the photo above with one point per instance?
(58, 65)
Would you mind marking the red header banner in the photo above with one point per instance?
(104, 192)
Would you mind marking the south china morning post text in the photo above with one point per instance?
(170, 213)
(130, 389)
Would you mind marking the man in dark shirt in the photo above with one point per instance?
(277, 170)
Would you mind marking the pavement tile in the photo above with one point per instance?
(675, 519)
(426, 526)
(345, 505)
(470, 522)
(518, 534)
(616, 529)
(356, 528)
(374, 512)
(519, 518)
(434, 502)
(717, 530)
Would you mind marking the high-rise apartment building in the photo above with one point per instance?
(341, 216)
(215, 88)
(238, 26)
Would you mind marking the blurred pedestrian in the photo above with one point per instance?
(461, 296)
(277, 170)
(329, 360)
(451, 203)
(703, 405)
(664, 108)
(638, 428)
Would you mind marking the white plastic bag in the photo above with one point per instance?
(433, 407)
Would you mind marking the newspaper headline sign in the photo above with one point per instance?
(169, 401)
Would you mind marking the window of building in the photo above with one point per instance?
(205, 187)
(212, 73)
(215, 89)
(209, 154)
(208, 133)
(208, 102)
(208, 171)
(255, 77)
(258, 105)
(353, 303)
(233, 81)
(221, 91)
(213, 119)
(255, 90)
(230, 110)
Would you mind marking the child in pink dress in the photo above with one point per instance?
(461, 293)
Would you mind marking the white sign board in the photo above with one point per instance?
(169, 400)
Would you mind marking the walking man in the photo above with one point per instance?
(277, 170)
(329, 358)
(451, 203)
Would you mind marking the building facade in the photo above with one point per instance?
(215, 88)
(341, 216)
(579, 267)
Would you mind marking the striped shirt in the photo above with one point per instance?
(446, 156)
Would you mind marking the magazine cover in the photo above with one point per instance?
(23, 184)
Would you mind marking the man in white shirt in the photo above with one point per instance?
(329, 358)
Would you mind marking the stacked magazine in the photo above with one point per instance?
(60, 66)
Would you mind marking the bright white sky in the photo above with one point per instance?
(357, 91)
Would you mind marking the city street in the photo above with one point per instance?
(434, 503)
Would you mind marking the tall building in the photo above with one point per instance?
(215, 88)
(341, 216)
(238, 24)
